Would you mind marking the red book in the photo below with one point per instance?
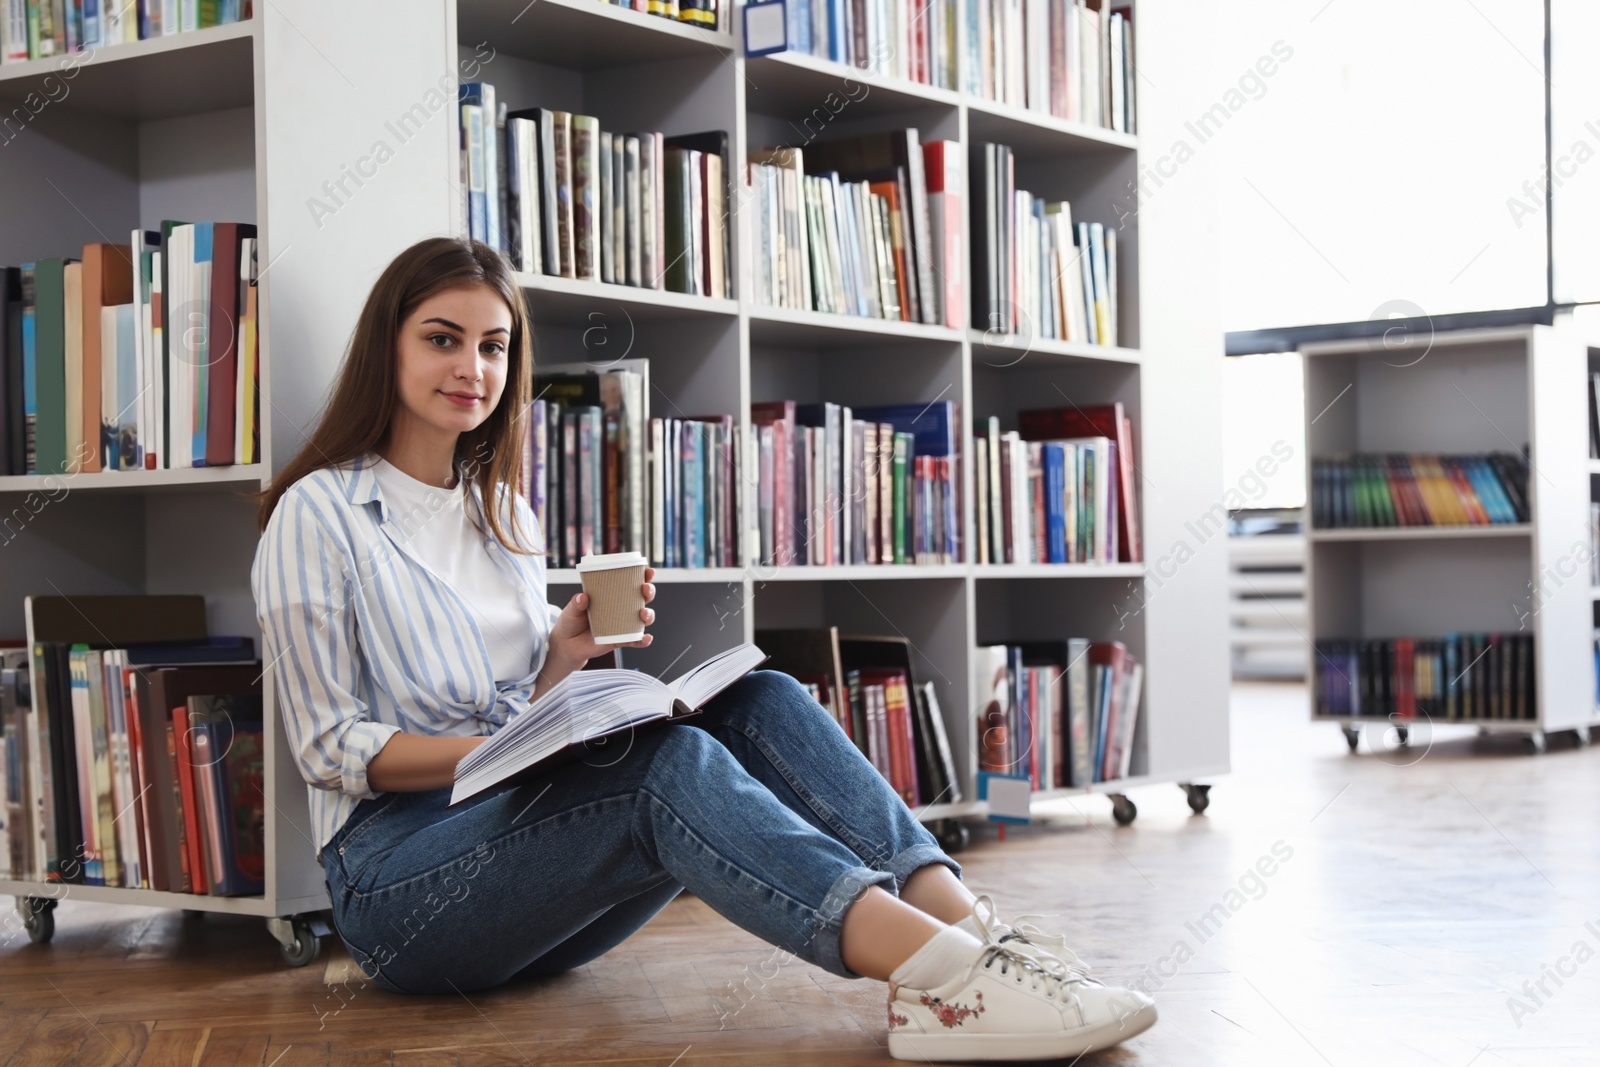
(222, 333)
(1405, 690)
(897, 721)
(189, 797)
(942, 162)
(1097, 420)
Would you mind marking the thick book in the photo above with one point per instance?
(590, 706)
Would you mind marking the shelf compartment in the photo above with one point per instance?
(155, 79)
(238, 475)
(1421, 533)
(569, 302)
(788, 328)
(583, 34)
(794, 82)
(1039, 133)
(1002, 350)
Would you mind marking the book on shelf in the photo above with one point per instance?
(97, 747)
(1035, 272)
(837, 485)
(559, 195)
(98, 377)
(1063, 713)
(1461, 677)
(1047, 501)
(40, 29)
(588, 708)
(1069, 58)
(1418, 489)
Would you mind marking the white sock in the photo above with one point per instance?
(970, 925)
(946, 956)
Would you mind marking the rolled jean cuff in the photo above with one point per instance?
(829, 919)
(920, 855)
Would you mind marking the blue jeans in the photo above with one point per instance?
(759, 805)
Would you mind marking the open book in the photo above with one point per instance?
(589, 705)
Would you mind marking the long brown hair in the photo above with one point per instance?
(357, 416)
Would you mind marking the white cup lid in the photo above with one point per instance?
(610, 561)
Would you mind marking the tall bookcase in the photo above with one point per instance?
(280, 120)
(1483, 390)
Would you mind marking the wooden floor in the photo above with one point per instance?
(1422, 889)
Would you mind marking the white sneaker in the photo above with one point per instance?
(1011, 1006)
(1048, 949)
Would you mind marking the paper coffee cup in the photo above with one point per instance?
(614, 582)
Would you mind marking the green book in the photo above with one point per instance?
(50, 366)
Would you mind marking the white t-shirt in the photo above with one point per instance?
(437, 528)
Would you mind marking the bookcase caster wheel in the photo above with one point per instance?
(1582, 734)
(1199, 796)
(952, 835)
(1123, 810)
(299, 938)
(1352, 737)
(38, 918)
(1536, 743)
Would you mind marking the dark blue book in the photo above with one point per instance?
(1055, 487)
(225, 649)
(933, 425)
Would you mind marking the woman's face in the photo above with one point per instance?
(452, 360)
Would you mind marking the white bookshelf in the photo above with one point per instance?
(740, 351)
(292, 98)
(1474, 391)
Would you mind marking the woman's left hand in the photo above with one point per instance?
(573, 642)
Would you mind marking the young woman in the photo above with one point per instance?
(404, 617)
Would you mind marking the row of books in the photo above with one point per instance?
(896, 38)
(560, 196)
(840, 485)
(1068, 58)
(1062, 713)
(1034, 271)
(1455, 678)
(869, 685)
(119, 771)
(1060, 489)
(601, 475)
(707, 14)
(135, 357)
(39, 29)
(1419, 489)
(867, 225)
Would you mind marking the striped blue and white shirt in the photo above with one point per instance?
(364, 640)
